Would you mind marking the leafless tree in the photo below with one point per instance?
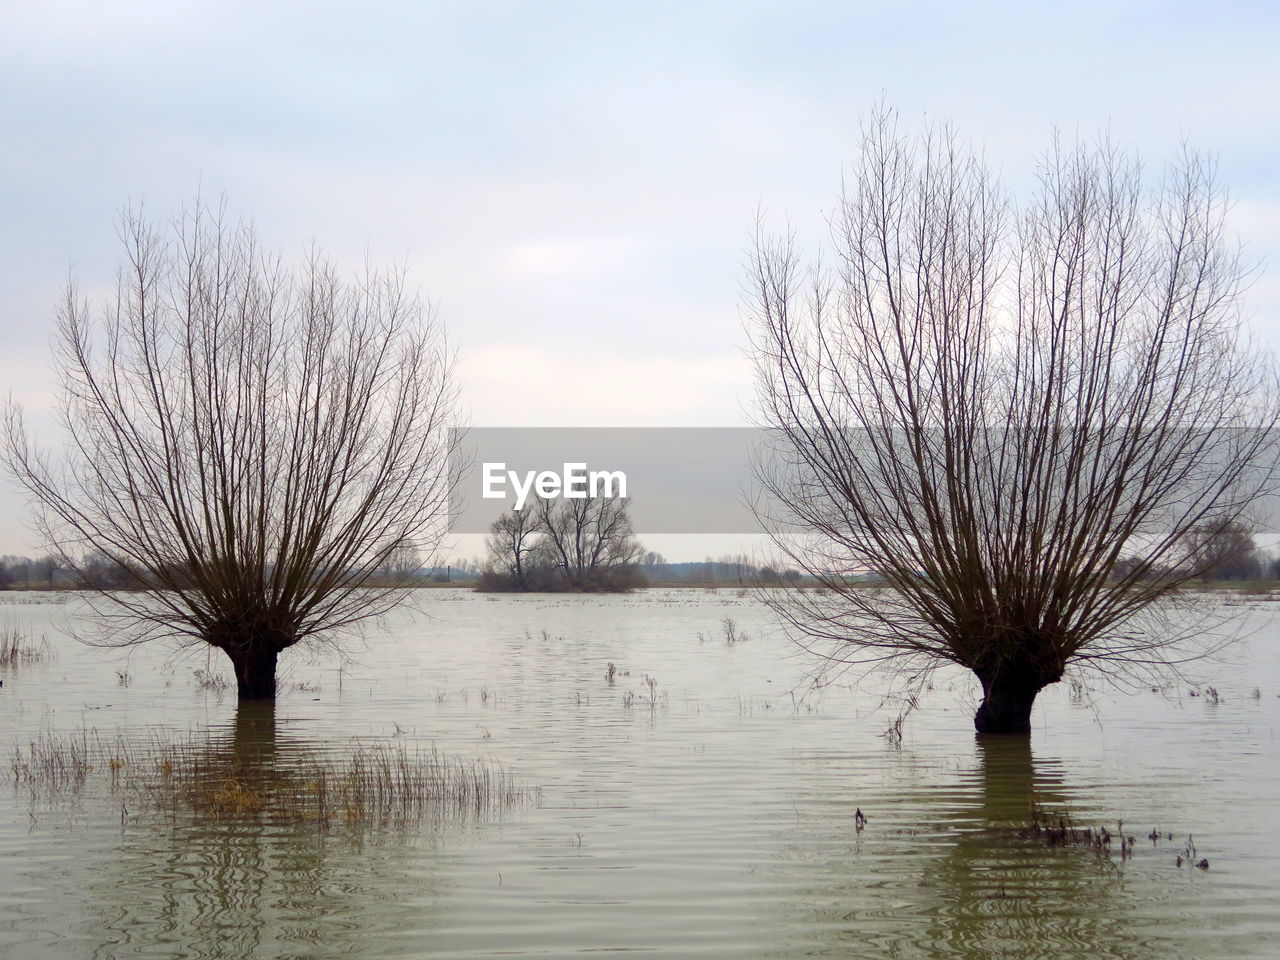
(985, 405)
(512, 539)
(248, 440)
(48, 566)
(1224, 550)
(587, 538)
(403, 562)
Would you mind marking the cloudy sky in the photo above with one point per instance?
(572, 183)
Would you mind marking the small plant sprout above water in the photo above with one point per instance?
(649, 695)
(729, 628)
(1188, 855)
(1057, 830)
(208, 680)
(611, 673)
(651, 687)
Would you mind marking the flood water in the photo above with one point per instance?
(711, 813)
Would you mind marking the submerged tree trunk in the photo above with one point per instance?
(1008, 694)
(253, 732)
(253, 738)
(255, 666)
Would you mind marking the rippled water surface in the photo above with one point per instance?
(709, 813)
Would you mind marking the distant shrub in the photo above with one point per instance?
(619, 579)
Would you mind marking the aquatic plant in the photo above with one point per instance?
(729, 629)
(16, 646)
(379, 785)
(1057, 830)
(651, 689)
(208, 680)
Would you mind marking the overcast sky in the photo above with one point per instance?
(572, 183)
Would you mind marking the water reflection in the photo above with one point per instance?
(244, 886)
(1001, 894)
(947, 872)
(718, 826)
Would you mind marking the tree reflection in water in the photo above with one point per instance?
(1000, 894)
(942, 872)
(255, 885)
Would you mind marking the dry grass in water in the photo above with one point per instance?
(732, 635)
(377, 786)
(16, 646)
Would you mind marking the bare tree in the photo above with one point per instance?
(250, 441)
(48, 567)
(589, 539)
(986, 406)
(512, 539)
(17, 569)
(1224, 550)
(403, 562)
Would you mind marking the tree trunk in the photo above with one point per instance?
(1008, 693)
(255, 667)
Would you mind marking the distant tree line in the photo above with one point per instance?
(1230, 549)
(404, 567)
(1223, 551)
(48, 571)
(98, 571)
(727, 569)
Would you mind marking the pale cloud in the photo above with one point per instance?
(573, 184)
(557, 260)
(90, 25)
(571, 387)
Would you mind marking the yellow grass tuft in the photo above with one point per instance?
(369, 786)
